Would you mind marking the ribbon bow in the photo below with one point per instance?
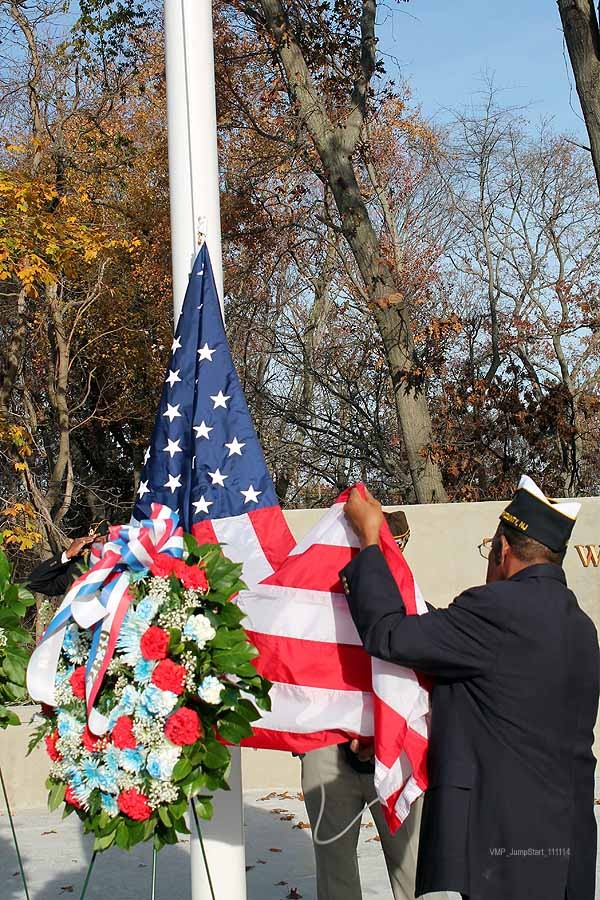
(99, 599)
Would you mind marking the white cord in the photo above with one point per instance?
(331, 840)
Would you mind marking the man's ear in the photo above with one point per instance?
(505, 549)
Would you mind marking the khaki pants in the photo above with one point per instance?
(346, 792)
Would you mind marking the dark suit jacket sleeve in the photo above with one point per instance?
(53, 577)
(455, 643)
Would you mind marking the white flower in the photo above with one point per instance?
(199, 629)
(161, 762)
(126, 781)
(158, 702)
(210, 690)
(162, 792)
(148, 732)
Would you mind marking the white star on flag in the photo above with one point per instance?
(202, 430)
(172, 412)
(146, 455)
(220, 399)
(235, 447)
(173, 377)
(143, 489)
(201, 505)
(176, 345)
(172, 447)
(173, 482)
(251, 495)
(206, 353)
(218, 478)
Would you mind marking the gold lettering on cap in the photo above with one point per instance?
(513, 520)
(588, 553)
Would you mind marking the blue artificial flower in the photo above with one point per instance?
(71, 642)
(109, 805)
(160, 763)
(143, 670)
(131, 760)
(158, 702)
(68, 724)
(128, 640)
(147, 609)
(81, 789)
(90, 772)
(108, 782)
(111, 760)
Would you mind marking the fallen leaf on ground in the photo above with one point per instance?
(67, 889)
(374, 838)
(278, 809)
(280, 883)
(52, 831)
(263, 862)
(286, 818)
(270, 796)
(302, 825)
(274, 849)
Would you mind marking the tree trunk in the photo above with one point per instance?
(582, 36)
(335, 145)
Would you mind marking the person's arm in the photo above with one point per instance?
(455, 643)
(54, 576)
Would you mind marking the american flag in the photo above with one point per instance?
(325, 686)
(204, 459)
(205, 462)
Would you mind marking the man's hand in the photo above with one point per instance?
(365, 752)
(79, 545)
(365, 516)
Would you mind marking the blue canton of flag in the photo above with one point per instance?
(204, 460)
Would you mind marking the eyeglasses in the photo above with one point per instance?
(485, 548)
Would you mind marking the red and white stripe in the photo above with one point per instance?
(326, 689)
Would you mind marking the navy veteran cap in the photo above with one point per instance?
(538, 517)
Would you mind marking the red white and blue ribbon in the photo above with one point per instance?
(99, 600)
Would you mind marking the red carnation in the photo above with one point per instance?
(194, 578)
(168, 676)
(154, 643)
(134, 804)
(71, 798)
(184, 727)
(77, 682)
(163, 565)
(50, 741)
(91, 741)
(122, 734)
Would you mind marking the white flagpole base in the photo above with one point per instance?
(223, 838)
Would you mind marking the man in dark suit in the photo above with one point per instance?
(509, 812)
(54, 576)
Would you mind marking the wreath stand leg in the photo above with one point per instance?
(14, 834)
(154, 859)
(210, 884)
(88, 876)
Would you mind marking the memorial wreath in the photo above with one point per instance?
(179, 683)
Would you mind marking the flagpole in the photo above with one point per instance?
(195, 214)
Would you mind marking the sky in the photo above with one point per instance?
(445, 48)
